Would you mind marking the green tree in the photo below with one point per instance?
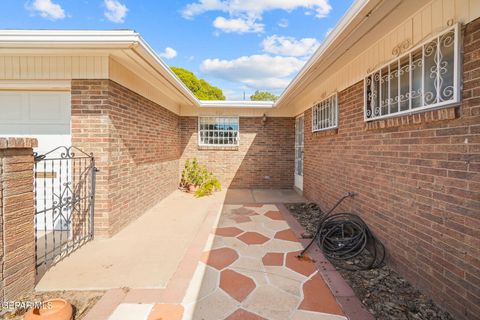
(263, 96)
(199, 87)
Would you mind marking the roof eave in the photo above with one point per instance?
(344, 22)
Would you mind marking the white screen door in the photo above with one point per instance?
(299, 152)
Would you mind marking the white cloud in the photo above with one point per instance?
(255, 7)
(47, 9)
(237, 25)
(283, 23)
(256, 71)
(115, 11)
(253, 10)
(288, 46)
(168, 53)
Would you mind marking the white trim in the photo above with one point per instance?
(236, 104)
(297, 178)
(335, 112)
(226, 146)
(34, 85)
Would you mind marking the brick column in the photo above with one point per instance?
(17, 236)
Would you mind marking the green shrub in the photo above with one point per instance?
(198, 176)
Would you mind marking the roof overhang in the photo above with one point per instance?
(109, 42)
(359, 19)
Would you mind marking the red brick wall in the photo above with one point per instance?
(418, 185)
(136, 145)
(264, 151)
(17, 236)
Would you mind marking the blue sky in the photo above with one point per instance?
(237, 45)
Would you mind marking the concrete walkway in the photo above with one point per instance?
(241, 264)
(143, 255)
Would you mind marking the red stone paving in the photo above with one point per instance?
(253, 238)
(303, 265)
(274, 215)
(166, 312)
(241, 314)
(237, 285)
(318, 297)
(220, 258)
(273, 259)
(287, 235)
(240, 219)
(228, 232)
(244, 212)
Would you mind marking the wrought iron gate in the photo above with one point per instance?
(64, 203)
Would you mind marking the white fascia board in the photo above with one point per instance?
(347, 18)
(236, 104)
(53, 37)
(168, 72)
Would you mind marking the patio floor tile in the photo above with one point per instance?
(236, 284)
(131, 311)
(241, 314)
(274, 215)
(166, 311)
(287, 235)
(271, 303)
(318, 297)
(248, 272)
(228, 232)
(273, 259)
(253, 238)
(303, 265)
(220, 258)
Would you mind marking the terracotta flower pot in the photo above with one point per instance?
(192, 188)
(54, 309)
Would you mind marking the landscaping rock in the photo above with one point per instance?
(384, 292)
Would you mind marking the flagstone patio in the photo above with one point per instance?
(242, 264)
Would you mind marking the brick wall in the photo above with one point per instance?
(17, 236)
(136, 147)
(418, 184)
(266, 150)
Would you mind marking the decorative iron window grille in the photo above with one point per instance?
(218, 131)
(424, 78)
(325, 114)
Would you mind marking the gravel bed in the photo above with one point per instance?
(383, 291)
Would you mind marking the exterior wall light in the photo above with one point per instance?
(264, 119)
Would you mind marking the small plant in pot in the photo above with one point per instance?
(197, 179)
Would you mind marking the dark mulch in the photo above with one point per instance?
(383, 291)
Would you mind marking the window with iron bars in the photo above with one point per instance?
(424, 78)
(218, 131)
(325, 114)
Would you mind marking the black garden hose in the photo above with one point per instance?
(347, 242)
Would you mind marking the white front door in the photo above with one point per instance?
(299, 152)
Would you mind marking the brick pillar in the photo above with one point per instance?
(17, 236)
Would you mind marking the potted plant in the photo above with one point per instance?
(197, 179)
(54, 309)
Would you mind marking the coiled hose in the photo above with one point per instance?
(346, 241)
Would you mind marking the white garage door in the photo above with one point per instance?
(42, 115)
(45, 116)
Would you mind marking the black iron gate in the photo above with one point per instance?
(64, 204)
